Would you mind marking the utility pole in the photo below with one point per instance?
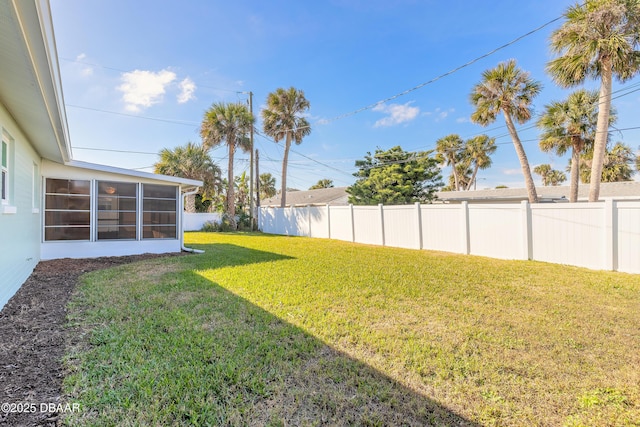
(251, 164)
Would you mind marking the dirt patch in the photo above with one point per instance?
(33, 337)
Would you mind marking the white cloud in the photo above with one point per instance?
(142, 89)
(512, 171)
(187, 88)
(397, 114)
(86, 70)
(463, 120)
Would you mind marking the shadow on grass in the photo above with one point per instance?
(190, 352)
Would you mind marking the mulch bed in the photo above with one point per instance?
(33, 338)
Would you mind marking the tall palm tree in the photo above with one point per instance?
(449, 150)
(229, 124)
(508, 90)
(267, 186)
(599, 39)
(282, 119)
(193, 162)
(479, 150)
(571, 125)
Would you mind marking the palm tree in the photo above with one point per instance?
(193, 162)
(571, 125)
(229, 124)
(617, 165)
(282, 119)
(543, 170)
(508, 90)
(479, 150)
(556, 177)
(322, 183)
(599, 39)
(267, 186)
(449, 151)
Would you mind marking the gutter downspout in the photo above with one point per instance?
(182, 203)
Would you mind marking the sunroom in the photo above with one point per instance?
(94, 210)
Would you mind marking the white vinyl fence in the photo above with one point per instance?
(602, 236)
(195, 221)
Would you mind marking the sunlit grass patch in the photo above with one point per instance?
(278, 330)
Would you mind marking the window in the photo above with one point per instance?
(117, 212)
(4, 183)
(67, 210)
(159, 212)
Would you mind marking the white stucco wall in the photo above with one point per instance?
(19, 219)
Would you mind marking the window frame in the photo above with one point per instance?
(50, 211)
(108, 214)
(5, 169)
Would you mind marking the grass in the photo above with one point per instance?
(275, 330)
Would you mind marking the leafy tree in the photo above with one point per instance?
(395, 177)
(282, 119)
(617, 165)
(556, 177)
(323, 183)
(191, 161)
(267, 186)
(508, 90)
(600, 40)
(227, 124)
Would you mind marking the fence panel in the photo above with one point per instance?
(319, 221)
(496, 231)
(442, 228)
(628, 236)
(401, 226)
(340, 222)
(195, 221)
(368, 225)
(569, 234)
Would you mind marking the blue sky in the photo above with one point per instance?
(139, 75)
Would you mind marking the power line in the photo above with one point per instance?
(177, 122)
(129, 71)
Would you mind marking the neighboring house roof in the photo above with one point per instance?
(618, 190)
(31, 87)
(336, 196)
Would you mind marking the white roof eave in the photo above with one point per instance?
(134, 173)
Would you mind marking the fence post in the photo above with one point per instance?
(381, 207)
(527, 244)
(328, 221)
(610, 230)
(309, 219)
(466, 243)
(419, 228)
(353, 224)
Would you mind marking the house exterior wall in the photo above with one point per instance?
(96, 248)
(20, 215)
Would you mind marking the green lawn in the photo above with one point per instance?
(275, 330)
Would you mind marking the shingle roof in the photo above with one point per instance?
(627, 190)
(333, 196)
